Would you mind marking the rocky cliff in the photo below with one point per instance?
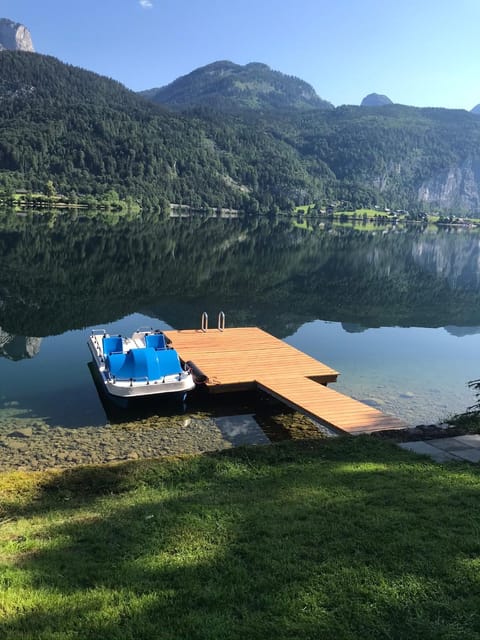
(14, 36)
(457, 188)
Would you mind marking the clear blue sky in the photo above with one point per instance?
(418, 52)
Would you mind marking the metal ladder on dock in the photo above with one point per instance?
(220, 321)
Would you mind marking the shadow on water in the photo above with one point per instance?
(197, 402)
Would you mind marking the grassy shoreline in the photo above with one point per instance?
(338, 538)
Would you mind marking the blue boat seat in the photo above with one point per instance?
(112, 344)
(155, 340)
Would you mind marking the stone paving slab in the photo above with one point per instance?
(471, 454)
(448, 444)
(471, 440)
(445, 449)
(425, 448)
(241, 430)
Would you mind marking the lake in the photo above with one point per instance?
(396, 311)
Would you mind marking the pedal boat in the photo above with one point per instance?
(142, 365)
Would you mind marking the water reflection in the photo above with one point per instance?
(18, 347)
(83, 272)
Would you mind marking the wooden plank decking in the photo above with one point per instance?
(246, 358)
(328, 406)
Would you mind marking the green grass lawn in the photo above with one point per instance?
(344, 538)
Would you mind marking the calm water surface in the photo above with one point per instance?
(397, 312)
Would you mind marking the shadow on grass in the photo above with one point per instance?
(339, 539)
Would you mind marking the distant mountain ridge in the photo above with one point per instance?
(231, 86)
(375, 100)
(14, 36)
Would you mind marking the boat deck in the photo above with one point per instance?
(247, 358)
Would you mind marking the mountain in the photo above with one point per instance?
(375, 100)
(427, 158)
(14, 36)
(418, 159)
(476, 110)
(90, 135)
(227, 85)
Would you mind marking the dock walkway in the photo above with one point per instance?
(246, 358)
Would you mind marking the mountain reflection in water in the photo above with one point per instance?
(62, 273)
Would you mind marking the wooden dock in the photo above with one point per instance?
(246, 358)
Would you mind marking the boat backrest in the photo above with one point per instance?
(115, 362)
(169, 362)
(112, 344)
(155, 340)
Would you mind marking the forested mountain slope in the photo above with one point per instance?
(399, 156)
(230, 86)
(393, 155)
(90, 134)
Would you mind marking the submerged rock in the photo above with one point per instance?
(374, 402)
(26, 432)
